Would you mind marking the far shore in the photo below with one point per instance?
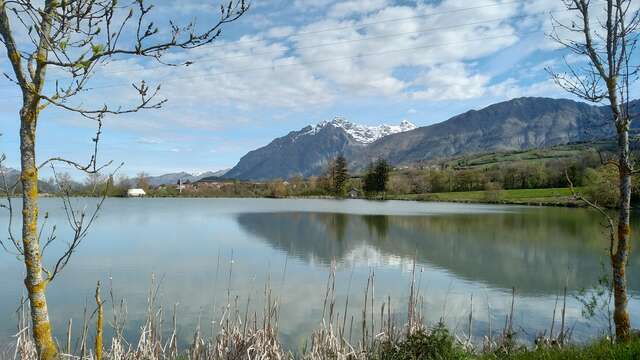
(562, 197)
(559, 197)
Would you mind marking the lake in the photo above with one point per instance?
(202, 251)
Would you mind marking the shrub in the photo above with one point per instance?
(437, 344)
(493, 192)
(601, 186)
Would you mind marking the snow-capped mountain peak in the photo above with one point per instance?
(362, 133)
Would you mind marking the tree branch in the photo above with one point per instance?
(10, 44)
(601, 210)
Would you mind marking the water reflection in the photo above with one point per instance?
(462, 249)
(535, 250)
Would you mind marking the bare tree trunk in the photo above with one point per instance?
(620, 256)
(35, 281)
(99, 331)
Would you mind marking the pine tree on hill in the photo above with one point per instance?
(341, 175)
(377, 177)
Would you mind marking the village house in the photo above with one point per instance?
(136, 193)
(353, 193)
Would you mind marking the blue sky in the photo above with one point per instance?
(287, 64)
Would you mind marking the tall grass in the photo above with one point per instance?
(239, 333)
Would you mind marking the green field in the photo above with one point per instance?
(558, 152)
(553, 196)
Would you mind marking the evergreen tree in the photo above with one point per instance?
(369, 183)
(376, 177)
(341, 175)
(326, 181)
(382, 170)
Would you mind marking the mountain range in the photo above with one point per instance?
(306, 152)
(517, 124)
(172, 178)
(12, 175)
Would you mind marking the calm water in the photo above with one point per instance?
(460, 250)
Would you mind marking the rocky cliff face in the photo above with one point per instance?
(307, 151)
(516, 124)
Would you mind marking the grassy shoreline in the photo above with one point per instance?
(534, 197)
(432, 346)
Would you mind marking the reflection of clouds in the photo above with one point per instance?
(368, 256)
(179, 240)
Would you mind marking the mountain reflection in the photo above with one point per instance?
(535, 250)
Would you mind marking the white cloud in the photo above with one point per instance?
(223, 80)
(262, 74)
(311, 4)
(511, 88)
(450, 82)
(372, 48)
(351, 7)
(149, 140)
(280, 31)
(180, 150)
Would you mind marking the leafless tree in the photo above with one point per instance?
(142, 181)
(604, 34)
(74, 38)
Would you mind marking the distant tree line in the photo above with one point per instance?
(379, 178)
(518, 175)
(93, 184)
(336, 180)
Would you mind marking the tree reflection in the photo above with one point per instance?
(378, 224)
(535, 250)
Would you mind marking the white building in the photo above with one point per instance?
(136, 193)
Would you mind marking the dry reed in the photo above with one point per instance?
(245, 335)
